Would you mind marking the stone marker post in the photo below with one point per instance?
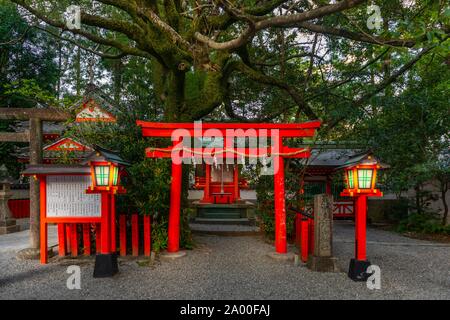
(322, 259)
(7, 223)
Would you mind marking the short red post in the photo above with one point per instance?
(74, 240)
(113, 224)
(280, 205)
(298, 218)
(123, 235)
(61, 239)
(147, 236)
(304, 239)
(105, 234)
(207, 191)
(311, 235)
(135, 234)
(360, 228)
(43, 224)
(98, 238)
(173, 244)
(236, 182)
(87, 239)
(68, 238)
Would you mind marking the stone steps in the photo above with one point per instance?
(224, 230)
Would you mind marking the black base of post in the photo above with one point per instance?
(105, 265)
(358, 270)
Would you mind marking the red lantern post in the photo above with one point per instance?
(361, 179)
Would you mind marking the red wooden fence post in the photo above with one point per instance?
(147, 236)
(123, 235)
(74, 240)
(87, 239)
(311, 235)
(62, 239)
(98, 238)
(304, 239)
(68, 238)
(135, 234)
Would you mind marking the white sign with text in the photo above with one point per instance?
(67, 198)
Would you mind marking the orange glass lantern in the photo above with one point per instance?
(361, 178)
(106, 171)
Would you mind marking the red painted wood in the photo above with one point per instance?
(147, 236)
(61, 239)
(20, 209)
(123, 234)
(135, 234)
(280, 205)
(173, 244)
(304, 248)
(43, 223)
(113, 224)
(87, 239)
(98, 238)
(68, 238)
(311, 235)
(74, 240)
(360, 228)
(106, 234)
(298, 230)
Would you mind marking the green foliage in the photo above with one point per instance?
(423, 223)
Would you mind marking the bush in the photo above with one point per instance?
(423, 223)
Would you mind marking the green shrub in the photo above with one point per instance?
(423, 223)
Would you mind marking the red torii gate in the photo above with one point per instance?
(229, 132)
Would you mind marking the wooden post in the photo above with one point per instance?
(98, 238)
(173, 244)
(43, 227)
(207, 192)
(135, 234)
(35, 158)
(304, 239)
(105, 233)
(87, 239)
(147, 236)
(113, 224)
(236, 182)
(280, 205)
(360, 228)
(123, 235)
(62, 239)
(74, 240)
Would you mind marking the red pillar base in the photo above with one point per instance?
(357, 270)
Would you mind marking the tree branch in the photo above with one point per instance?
(278, 21)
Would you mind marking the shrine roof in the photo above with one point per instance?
(331, 158)
(52, 169)
(93, 92)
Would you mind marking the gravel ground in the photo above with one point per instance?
(238, 268)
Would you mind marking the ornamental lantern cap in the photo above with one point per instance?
(366, 158)
(101, 154)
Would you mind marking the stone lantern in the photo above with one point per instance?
(7, 223)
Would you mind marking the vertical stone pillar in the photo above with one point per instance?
(7, 223)
(322, 259)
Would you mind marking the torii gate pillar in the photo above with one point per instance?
(280, 205)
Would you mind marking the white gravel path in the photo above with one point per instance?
(238, 268)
